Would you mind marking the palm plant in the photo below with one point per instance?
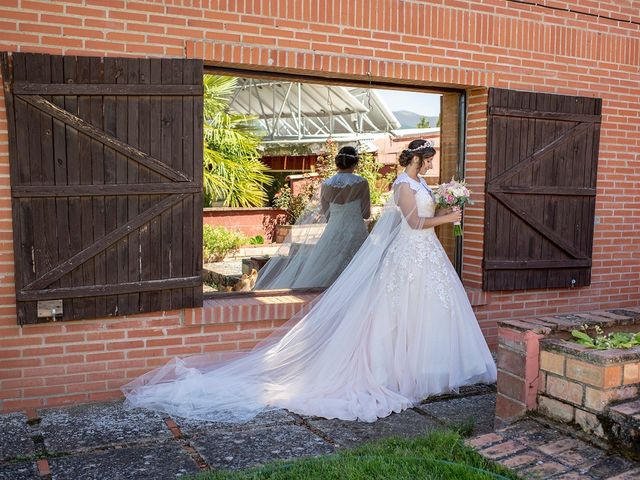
(233, 172)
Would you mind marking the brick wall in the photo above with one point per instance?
(248, 221)
(582, 47)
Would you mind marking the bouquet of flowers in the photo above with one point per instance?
(453, 194)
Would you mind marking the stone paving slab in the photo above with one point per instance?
(537, 450)
(224, 449)
(15, 437)
(97, 425)
(19, 471)
(479, 408)
(165, 460)
(190, 428)
(349, 434)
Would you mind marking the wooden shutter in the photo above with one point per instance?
(541, 185)
(106, 184)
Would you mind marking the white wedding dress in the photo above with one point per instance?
(393, 329)
(325, 240)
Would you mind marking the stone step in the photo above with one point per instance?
(621, 423)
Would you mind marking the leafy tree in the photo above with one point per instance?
(369, 167)
(233, 172)
(423, 123)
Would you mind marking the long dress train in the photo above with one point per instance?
(393, 329)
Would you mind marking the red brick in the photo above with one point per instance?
(43, 467)
(511, 386)
(508, 409)
(511, 361)
(502, 449)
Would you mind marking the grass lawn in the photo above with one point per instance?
(436, 455)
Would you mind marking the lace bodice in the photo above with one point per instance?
(425, 204)
(344, 179)
(343, 189)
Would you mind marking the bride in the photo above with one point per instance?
(394, 328)
(316, 262)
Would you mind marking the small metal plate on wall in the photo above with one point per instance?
(50, 309)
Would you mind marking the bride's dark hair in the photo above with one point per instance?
(421, 148)
(347, 157)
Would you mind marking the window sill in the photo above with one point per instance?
(273, 305)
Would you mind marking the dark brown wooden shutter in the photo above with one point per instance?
(541, 185)
(106, 184)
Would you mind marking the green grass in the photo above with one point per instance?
(436, 455)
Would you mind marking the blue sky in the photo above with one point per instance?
(427, 104)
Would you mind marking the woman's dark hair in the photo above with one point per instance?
(347, 157)
(420, 148)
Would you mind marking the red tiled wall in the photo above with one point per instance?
(581, 47)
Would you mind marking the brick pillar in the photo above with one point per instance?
(518, 367)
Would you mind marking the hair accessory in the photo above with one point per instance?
(425, 145)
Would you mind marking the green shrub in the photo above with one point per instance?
(219, 242)
(256, 240)
(295, 205)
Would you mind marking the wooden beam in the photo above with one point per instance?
(102, 89)
(537, 114)
(533, 264)
(79, 258)
(114, 289)
(263, 293)
(32, 191)
(541, 190)
(82, 126)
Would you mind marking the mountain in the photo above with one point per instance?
(409, 119)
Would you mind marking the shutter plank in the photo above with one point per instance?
(198, 199)
(153, 265)
(121, 178)
(144, 177)
(111, 201)
(188, 76)
(86, 307)
(177, 212)
(63, 234)
(36, 68)
(19, 167)
(523, 178)
(97, 178)
(33, 88)
(166, 140)
(73, 178)
(133, 70)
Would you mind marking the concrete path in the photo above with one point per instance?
(106, 442)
